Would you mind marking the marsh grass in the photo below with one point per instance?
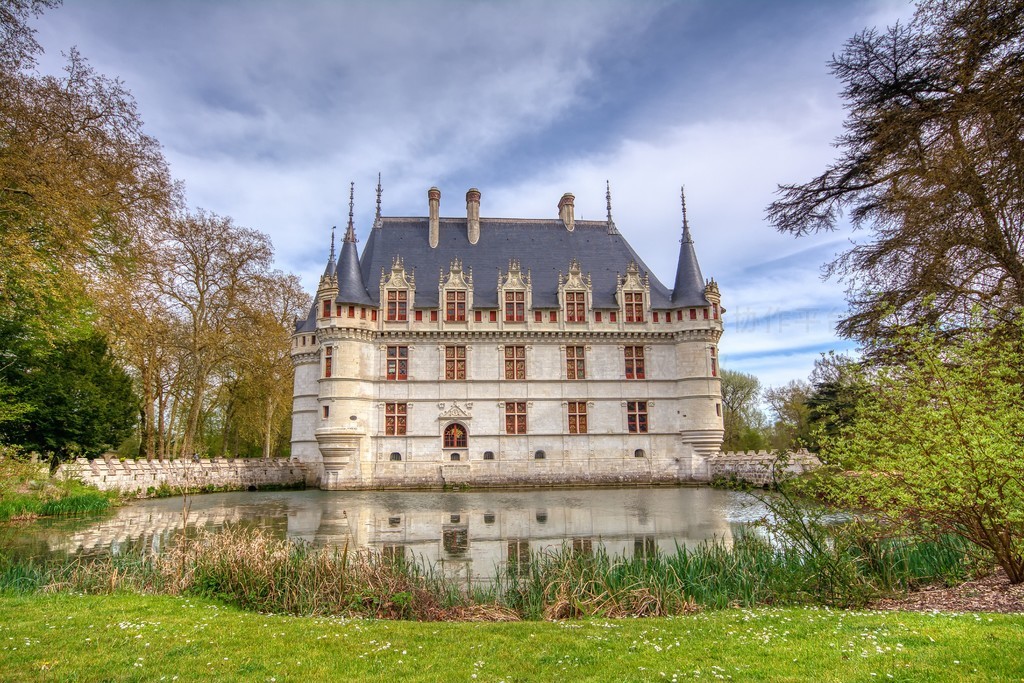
(251, 569)
(27, 491)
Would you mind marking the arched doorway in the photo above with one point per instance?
(455, 436)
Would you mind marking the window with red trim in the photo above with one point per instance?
(397, 302)
(575, 307)
(327, 308)
(636, 416)
(634, 307)
(328, 360)
(455, 362)
(575, 362)
(634, 362)
(515, 362)
(515, 307)
(515, 417)
(395, 415)
(398, 362)
(577, 417)
(455, 306)
(455, 436)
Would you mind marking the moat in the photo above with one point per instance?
(467, 534)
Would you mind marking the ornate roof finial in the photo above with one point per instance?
(608, 200)
(350, 234)
(686, 225)
(332, 242)
(379, 190)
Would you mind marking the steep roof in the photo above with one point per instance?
(544, 247)
(689, 285)
(350, 284)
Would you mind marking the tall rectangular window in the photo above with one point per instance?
(577, 417)
(693, 314)
(575, 307)
(634, 307)
(515, 362)
(328, 360)
(537, 316)
(515, 417)
(636, 416)
(397, 302)
(634, 362)
(395, 419)
(398, 362)
(705, 313)
(575, 363)
(714, 362)
(715, 309)
(455, 306)
(455, 362)
(515, 307)
(327, 308)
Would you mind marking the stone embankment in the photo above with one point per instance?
(147, 477)
(760, 468)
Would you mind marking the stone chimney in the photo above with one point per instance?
(434, 197)
(566, 211)
(473, 215)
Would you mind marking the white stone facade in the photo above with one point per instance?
(591, 415)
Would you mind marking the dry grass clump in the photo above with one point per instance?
(256, 571)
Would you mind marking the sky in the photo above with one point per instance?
(268, 109)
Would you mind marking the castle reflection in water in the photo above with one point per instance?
(469, 535)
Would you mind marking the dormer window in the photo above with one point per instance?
(634, 294)
(576, 307)
(455, 306)
(634, 307)
(455, 292)
(573, 292)
(398, 301)
(515, 292)
(327, 308)
(515, 307)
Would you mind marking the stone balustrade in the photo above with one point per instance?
(146, 476)
(759, 468)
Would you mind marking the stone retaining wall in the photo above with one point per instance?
(144, 476)
(759, 467)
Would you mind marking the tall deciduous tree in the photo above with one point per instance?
(935, 445)
(741, 415)
(788, 404)
(932, 163)
(210, 272)
(79, 179)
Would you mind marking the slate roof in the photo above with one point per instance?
(543, 247)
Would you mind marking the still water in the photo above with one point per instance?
(466, 534)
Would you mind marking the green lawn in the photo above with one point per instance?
(153, 638)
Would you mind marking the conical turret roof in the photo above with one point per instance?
(689, 285)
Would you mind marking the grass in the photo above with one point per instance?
(27, 492)
(134, 638)
(251, 569)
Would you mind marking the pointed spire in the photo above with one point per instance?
(687, 237)
(689, 285)
(350, 233)
(608, 201)
(330, 269)
(379, 190)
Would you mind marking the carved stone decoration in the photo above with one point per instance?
(398, 278)
(455, 412)
(514, 277)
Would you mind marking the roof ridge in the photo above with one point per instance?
(584, 223)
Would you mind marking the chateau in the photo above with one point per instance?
(544, 353)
